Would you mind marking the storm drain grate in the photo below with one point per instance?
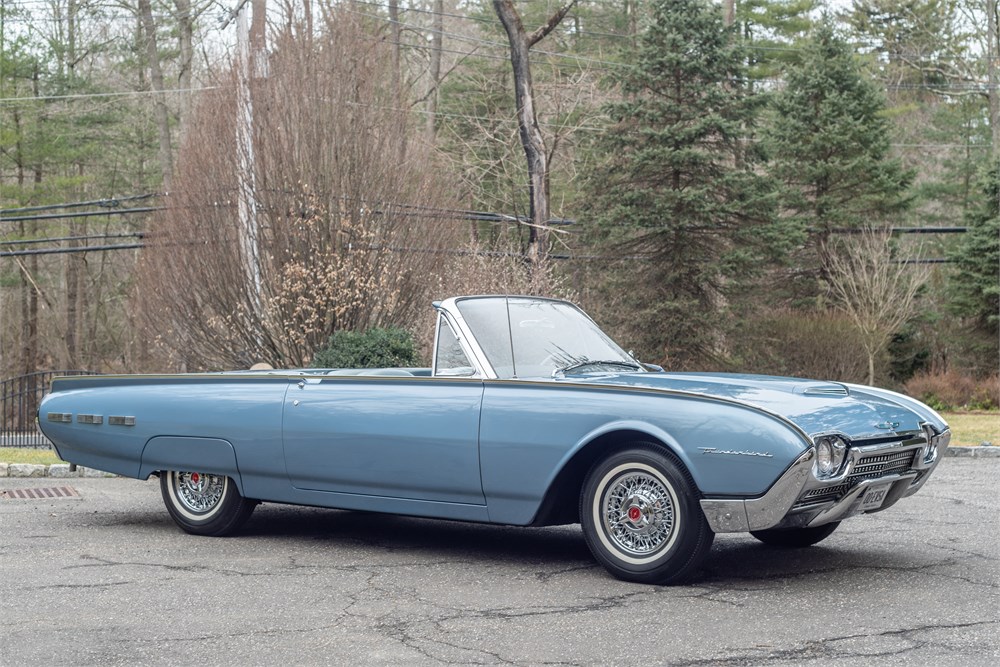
(39, 494)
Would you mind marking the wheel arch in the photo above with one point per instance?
(185, 453)
(560, 504)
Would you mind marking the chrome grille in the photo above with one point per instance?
(880, 465)
(872, 466)
(828, 493)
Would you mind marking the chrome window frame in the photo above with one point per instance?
(471, 350)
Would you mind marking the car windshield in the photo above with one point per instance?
(525, 337)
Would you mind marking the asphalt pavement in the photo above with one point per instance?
(102, 577)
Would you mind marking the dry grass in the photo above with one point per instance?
(972, 428)
(28, 455)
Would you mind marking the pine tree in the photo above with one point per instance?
(830, 148)
(976, 281)
(771, 29)
(675, 180)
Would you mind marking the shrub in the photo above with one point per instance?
(820, 345)
(987, 395)
(951, 390)
(375, 348)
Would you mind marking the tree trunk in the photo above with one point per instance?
(527, 121)
(437, 30)
(258, 23)
(397, 34)
(185, 45)
(397, 76)
(728, 12)
(160, 101)
(871, 366)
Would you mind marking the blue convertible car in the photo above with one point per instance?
(529, 415)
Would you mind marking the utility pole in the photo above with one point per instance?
(991, 75)
(246, 190)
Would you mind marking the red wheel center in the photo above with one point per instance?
(634, 514)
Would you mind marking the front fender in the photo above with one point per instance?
(531, 431)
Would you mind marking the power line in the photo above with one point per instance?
(67, 251)
(82, 214)
(127, 93)
(60, 239)
(111, 202)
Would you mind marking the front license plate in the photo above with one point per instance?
(875, 496)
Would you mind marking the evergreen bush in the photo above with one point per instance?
(374, 348)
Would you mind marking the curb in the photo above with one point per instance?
(58, 470)
(980, 452)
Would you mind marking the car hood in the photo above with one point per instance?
(814, 406)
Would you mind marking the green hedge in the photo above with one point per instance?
(375, 348)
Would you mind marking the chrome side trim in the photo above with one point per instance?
(741, 516)
(726, 516)
(121, 420)
(771, 508)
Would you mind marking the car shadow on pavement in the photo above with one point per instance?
(735, 560)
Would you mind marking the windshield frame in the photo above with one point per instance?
(479, 355)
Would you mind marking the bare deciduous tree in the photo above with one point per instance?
(348, 237)
(874, 289)
(527, 118)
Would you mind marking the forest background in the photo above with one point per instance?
(778, 186)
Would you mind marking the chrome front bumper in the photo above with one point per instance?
(786, 504)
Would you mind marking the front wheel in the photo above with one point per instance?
(795, 538)
(204, 504)
(641, 517)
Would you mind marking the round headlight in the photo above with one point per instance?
(830, 454)
(839, 452)
(824, 457)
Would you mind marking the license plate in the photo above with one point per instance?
(875, 496)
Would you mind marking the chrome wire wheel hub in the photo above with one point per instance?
(638, 513)
(199, 492)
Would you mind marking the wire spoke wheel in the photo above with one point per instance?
(641, 518)
(199, 492)
(638, 513)
(204, 503)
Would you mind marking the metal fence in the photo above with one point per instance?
(19, 399)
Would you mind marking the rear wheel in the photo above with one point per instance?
(204, 504)
(641, 517)
(795, 538)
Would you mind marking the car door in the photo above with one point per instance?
(398, 437)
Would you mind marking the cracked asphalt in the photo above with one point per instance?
(107, 579)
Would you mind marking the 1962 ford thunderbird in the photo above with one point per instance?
(529, 415)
